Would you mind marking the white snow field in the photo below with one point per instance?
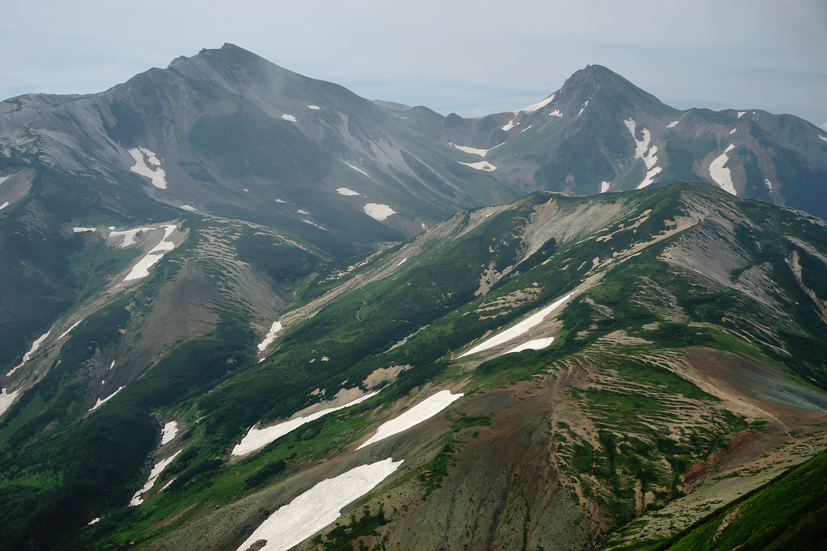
(720, 174)
(733, 131)
(536, 344)
(300, 211)
(128, 236)
(318, 507)
(156, 175)
(536, 106)
(314, 107)
(472, 150)
(584, 108)
(169, 433)
(741, 113)
(769, 184)
(519, 329)
(81, 230)
(822, 137)
(378, 211)
(345, 191)
(356, 168)
(290, 118)
(102, 401)
(7, 399)
(4, 205)
(417, 414)
(3, 179)
(482, 165)
(255, 439)
(270, 336)
(188, 208)
(510, 125)
(672, 124)
(604, 187)
(153, 476)
(141, 269)
(556, 113)
(28, 355)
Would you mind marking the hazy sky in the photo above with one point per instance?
(469, 57)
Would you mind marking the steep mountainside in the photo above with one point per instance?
(564, 370)
(235, 301)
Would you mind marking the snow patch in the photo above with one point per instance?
(424, 227)
(402, 262)
(419, 413)
(81, 230)
(142, 156)
(28, 355)
(482, 165)
(720, 174)
(290, 118)
(474, 150)
(169, 433)
(69, 330)
(536, 106)
(519, 329)
(300, 211)
(769, 184)
(318, 507)
(345, 191)
(7, 399)
(255, 439)
(314, 107)
(312, 224)
(672, 124)
(128, 236)
(188, 208)
(153, 476)
(378, 211)
(649, 177)
(555, 113)
(733, 131)
(112, 365)
(536, 344)
(584, 108)
(141, 269)
(822, 137)
(280, 201)
(643, 151)
(356, 168)
(510, 125)
(270, 336)
(94, 521)
(741, 114)
(100, 401)
(604, 187)
(3, 179)
(4, 205)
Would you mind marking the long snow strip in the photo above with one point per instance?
(417, 414)
(141, 269)
(153, 476)
(256, 439)
(536, 344)
(536, 106)
(7, 399)
(270, 336)
(519, 329)
(318, 507)
(346, 191)
(169, 433)
(28, 355)
(482, 165)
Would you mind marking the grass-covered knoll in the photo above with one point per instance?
(786, 513)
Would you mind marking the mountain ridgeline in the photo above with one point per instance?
(245, 309)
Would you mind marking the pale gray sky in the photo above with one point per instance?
(469, 57)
